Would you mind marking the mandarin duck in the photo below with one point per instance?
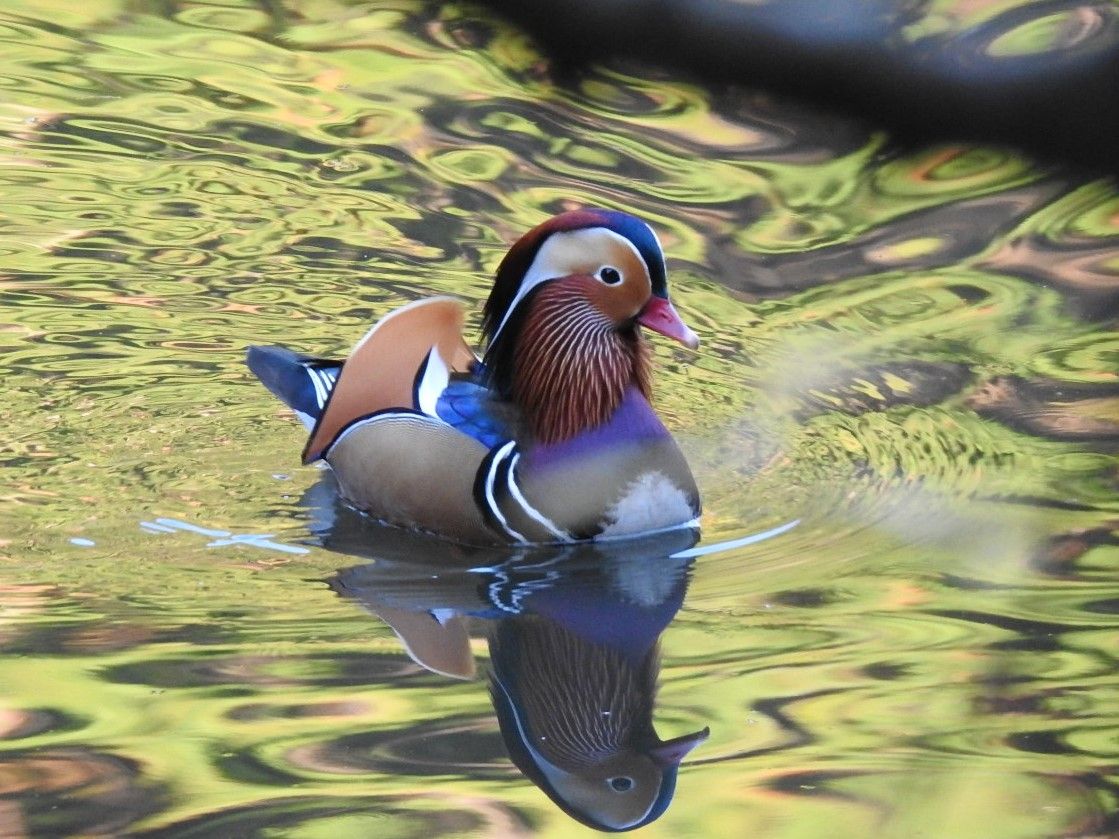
(549, 437)
(573, 638)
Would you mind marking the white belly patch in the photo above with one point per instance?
(651, 502)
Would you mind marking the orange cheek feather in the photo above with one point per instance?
(620, 303)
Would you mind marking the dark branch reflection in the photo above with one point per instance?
(573, 636)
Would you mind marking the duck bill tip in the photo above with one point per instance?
(661, 316)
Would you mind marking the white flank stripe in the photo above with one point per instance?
(531, 511)
(491, 476)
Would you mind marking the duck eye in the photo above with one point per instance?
(620, 784)
(610, 275)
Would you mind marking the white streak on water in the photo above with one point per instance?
(720, 547)
(222, 538)
(193, 528)
(262, 540)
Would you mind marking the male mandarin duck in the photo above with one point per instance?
(550, 437)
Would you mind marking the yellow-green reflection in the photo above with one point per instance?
(909, 350)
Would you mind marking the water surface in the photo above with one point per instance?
(910, 350)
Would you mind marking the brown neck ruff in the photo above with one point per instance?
(573, 364)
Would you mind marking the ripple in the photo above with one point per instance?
(1057, 410)
(420, 813)
(907, 348)
(64, 791)
(1076, 27)
(204, 670)
(465, 747)
(19, 724)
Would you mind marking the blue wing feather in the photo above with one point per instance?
(467, 406)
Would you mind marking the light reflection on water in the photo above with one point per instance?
(910, 350)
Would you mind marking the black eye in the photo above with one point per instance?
(610, 275)
(622, 784)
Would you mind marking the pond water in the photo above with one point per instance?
(909, 352)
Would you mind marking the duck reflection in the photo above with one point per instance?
(577, 718)
(572, 633)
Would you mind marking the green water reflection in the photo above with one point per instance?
(911, 350)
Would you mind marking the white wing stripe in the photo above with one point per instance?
(435, 379)
(320, 391)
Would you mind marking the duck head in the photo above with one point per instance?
(562, 323)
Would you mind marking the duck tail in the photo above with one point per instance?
(300, 382)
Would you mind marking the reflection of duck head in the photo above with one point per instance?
(576, 717)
